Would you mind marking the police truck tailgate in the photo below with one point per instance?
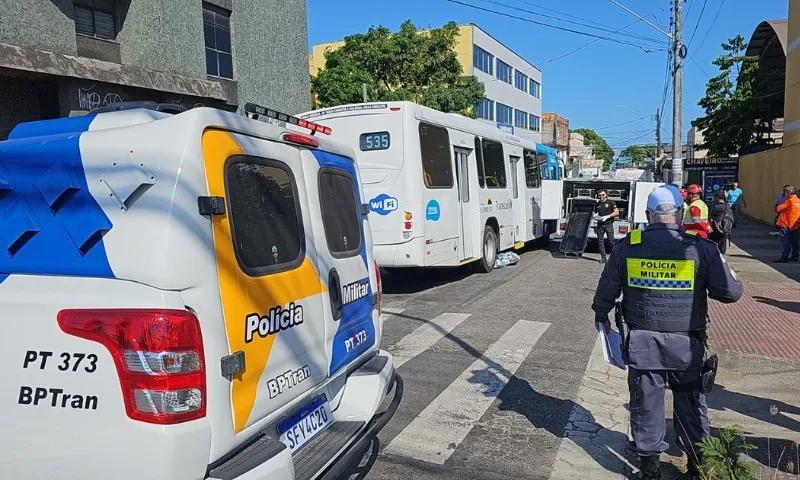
(74, 374)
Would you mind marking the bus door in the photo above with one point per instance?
(467, 214)
(533, 195)
(440, 197)
(518, 209)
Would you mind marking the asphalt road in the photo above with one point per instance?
(491, 363)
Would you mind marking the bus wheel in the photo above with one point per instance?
(486, 264)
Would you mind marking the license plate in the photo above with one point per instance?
(304, 425)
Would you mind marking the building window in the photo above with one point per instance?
(217, 30)
(504, 71)
(504, 113)
(95, 18)
(485, 109)
(520, 119)
(534, 90)
(521, 81)
(533, 123)
(482, 60)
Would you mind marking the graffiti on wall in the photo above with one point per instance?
(89, 99)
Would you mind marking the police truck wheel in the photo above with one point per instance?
(486, 264)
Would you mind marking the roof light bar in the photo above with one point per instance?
(256, 111)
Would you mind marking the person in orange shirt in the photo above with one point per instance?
(788, 215)
(695, 218)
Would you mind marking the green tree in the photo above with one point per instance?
(637, 153)
(602, 150)
(734, 105)
(407, 65)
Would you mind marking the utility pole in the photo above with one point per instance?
(677, 98)
(658, 136)
(364, 92)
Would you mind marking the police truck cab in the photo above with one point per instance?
(186, 296)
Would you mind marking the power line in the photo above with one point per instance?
(618, 124)
(528, 20)
(712, 25)
(586, 45)
(614, 30)
(699, 19)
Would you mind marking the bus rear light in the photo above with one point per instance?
(409, 216)
(408, 225)
(158, 355)
(564, 226)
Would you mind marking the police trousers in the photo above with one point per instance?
(690, 412)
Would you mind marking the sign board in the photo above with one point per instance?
(504, 127)
(717, 172)
(624, 160)
(630, 174)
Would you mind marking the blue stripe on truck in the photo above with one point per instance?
(51, 223)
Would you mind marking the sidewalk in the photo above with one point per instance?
(758, 341)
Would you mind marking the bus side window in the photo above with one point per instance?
(479, 161)
(531, 169)
(434, 143)
(494, 164)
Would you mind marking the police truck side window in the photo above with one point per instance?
(531, 169)
(434, 143)
(494, 164)
(340, 213)
(265, 215)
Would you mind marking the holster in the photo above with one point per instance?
(624, 330)
(709, 374)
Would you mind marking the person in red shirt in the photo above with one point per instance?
(695, 218)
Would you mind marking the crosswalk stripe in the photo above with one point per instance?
(425, 336)
(435, 434)
(392, 310)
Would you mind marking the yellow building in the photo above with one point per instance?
(513, 96)
(762, 175)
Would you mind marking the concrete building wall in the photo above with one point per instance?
(150, 36)
(43, 24)
(508, 94)
(270, 54)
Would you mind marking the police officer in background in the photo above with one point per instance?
(666, 277)
(606, 211)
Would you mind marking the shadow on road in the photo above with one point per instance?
(414, 280)
(793, 307)
(753, 237)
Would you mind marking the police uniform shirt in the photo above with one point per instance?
(605, 207)
(710, 278)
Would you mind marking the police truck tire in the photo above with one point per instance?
(489, 254)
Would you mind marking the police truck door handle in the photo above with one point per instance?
(335, 293)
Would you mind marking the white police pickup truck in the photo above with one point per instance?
(186, 296)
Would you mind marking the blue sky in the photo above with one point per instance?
(586, 85)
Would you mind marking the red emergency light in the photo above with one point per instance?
(255, 111)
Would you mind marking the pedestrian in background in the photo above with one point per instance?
(734, 195)
(722, 221)
(695, 219)
(781, 198)
(788, 215)
(665, 276)
(607, 212)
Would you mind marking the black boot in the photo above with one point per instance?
(651, 467)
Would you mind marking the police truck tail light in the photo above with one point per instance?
(379, 286)
(158, 355)
(623, 229)
(564, 226)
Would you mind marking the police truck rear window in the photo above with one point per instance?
(340, 213)
(265, 219)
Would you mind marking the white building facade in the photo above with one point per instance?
(513, 97)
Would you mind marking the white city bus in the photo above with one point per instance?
(443, 189)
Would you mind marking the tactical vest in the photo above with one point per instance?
(664, 288)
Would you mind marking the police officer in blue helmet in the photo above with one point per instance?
(665, 277)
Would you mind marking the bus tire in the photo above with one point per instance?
(489, 254)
